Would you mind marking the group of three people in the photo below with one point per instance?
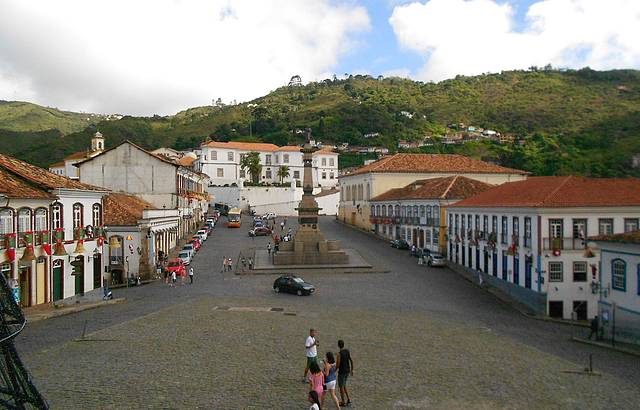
(324, 377)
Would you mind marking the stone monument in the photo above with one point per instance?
(309, 247)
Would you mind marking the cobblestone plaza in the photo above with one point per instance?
(420, 338)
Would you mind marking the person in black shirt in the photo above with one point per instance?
(344, 364)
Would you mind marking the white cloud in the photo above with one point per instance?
(476, 36)
(146, 57)
(398, 72)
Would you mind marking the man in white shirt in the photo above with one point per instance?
(312, 352)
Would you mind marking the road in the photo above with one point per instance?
(409, 296)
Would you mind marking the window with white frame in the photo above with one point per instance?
(324, 162)
(230, 156)
(427, 236)
(579, 271)
(220, 172)
(605, 226)
(436, 215)
(267, 159)
(268, 173)
(436, 236)
(332, 162)
(396, 210)
(214, 155)
(619, 275)
(324, 175)
(331, 175)
(285, 159)
(422, 210)
(296, 175)
(77, 215)
(630, 224)
(56, 216)
(555, 272)
(24, 220)
(41, 220)
(96, 211)
(6, 221)
(277, 157)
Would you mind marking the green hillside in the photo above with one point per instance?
(585, 121)
(24, 116)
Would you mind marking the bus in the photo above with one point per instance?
(234, 218)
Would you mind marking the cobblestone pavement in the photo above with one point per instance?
(421, 337)
(196, 355)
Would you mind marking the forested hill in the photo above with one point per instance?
(585, 121)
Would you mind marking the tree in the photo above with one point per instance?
(283, 172)
(251, 163)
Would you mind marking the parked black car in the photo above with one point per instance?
(400, 244)
(293, 284)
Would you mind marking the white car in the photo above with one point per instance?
(189, 248)
(185, 256)
(269, 215)
(434, 259)
(203, 233)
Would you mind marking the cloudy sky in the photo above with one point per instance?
(147, 57)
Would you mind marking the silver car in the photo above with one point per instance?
(185, 256)
(434, 259)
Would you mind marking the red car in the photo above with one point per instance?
(260, 231)
(196, 244)
(178, 266)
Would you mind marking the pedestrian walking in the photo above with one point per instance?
(480, 280)
(250, 263)
(191, 275)
(330, 380)
(594, 327)
(166, 276)
(312, 352)
(276, 248)
(224, 264)
(316, 379)
(230, 264)
(345, 369)
(173, 278)
(244, 262)
(269, 248)
(282, 226)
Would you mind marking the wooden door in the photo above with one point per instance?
(25, 287)
(58, 272)
(97, 271)
(41, 288)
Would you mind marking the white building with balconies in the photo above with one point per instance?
(529, 237)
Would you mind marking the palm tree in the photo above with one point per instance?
(251, 163)
(283, 172)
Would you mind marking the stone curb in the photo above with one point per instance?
(34, 317)
(606, 346)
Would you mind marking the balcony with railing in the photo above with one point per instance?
(563, 243)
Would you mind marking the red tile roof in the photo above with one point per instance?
(627, 237)
(123, 210)
(78, 155)
(290, 148)
(57, 165)
(327, 192)
(13, 186)
(247, 146)
(432, 163)
(559, 192)
(186, 161)
(41, 177)
(453, 187)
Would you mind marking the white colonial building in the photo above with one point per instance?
(51, 233)
(67, 167)
(164, 183)
(416, 212)
(358, 187)
(529, 237)
(221, 162)
(619, 286)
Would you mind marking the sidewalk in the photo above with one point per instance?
(619, 346)
(36, 313)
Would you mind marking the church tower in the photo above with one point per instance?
(97, 142)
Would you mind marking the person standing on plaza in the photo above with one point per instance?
(191, 275)
(594, 327)
(316, 379)
(282, 226)
(345, 369)
(250, 263)
(173, 278)
(276, 248)
(330, 379)
(230, 265)
(311, 345)
(269, 248)
(224, 264)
